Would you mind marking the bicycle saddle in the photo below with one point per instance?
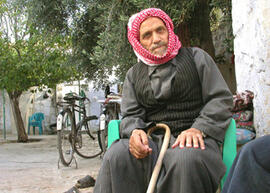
(72, 97)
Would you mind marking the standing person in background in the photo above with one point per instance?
(181, 87)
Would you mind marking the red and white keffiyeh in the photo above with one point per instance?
(134, 37)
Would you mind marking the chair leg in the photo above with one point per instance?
(34, 130)
(28, 129)
(40, 130)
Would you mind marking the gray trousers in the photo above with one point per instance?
(187, 170)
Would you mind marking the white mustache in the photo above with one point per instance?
(158, 45)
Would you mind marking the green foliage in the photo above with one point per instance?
(229, 44)
(29, 58)
(35, 62)
(98, 29)
(224, 5)
(222, 15)
(52, 14)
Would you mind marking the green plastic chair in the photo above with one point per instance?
(36, 121)
(229, 149)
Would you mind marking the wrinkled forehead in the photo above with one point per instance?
(153, 18)
(136, 19)
(151, 23)
(146, 23)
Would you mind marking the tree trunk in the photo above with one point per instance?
(14, 100)
(205, 36)
(183, 33)
(196, 30)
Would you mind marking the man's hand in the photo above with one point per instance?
(138, 144)
(190, 138)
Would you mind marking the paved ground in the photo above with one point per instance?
(32, 167)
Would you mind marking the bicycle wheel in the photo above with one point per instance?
(103, 136)
(87, 143)
(64, 138)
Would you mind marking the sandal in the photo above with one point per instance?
(85, 182)
(74, 189)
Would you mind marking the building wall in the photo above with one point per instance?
(29, 103)
(5, 106)
(36, 102)
(251, 28)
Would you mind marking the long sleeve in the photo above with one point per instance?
(215, 116)
(133, 113)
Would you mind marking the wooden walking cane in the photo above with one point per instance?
(164, 147)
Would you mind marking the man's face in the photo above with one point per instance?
(154, 36)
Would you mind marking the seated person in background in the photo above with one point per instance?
(181, 87)
(250, 172)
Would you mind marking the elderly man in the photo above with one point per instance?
(180, 87)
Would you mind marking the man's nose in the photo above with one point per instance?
(156, 38)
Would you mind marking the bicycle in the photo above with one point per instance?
(110, 110)
(76, 137)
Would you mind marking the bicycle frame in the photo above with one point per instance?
(78, 130)
(74, 108)
(105, 106)
(109, 110)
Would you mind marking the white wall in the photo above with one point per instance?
(35, 102)
(9, 122)
(251, 27)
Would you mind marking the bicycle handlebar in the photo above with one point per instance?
(75, 98)
(69, 100)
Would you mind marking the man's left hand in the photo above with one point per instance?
(190, 138)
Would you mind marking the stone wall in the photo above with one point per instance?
(251, 27)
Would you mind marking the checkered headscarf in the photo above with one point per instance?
(134, 37)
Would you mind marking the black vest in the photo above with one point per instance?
(185, 103)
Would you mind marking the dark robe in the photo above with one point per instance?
(187, 170)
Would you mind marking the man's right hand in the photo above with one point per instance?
(138, 144)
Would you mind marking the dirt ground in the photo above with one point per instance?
(32, 167)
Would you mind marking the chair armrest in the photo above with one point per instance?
(229, 149)
(113, 131)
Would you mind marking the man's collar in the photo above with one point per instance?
(151, 69)
(173, 61)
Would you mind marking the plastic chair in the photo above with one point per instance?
(36, 121)
(229, 149)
